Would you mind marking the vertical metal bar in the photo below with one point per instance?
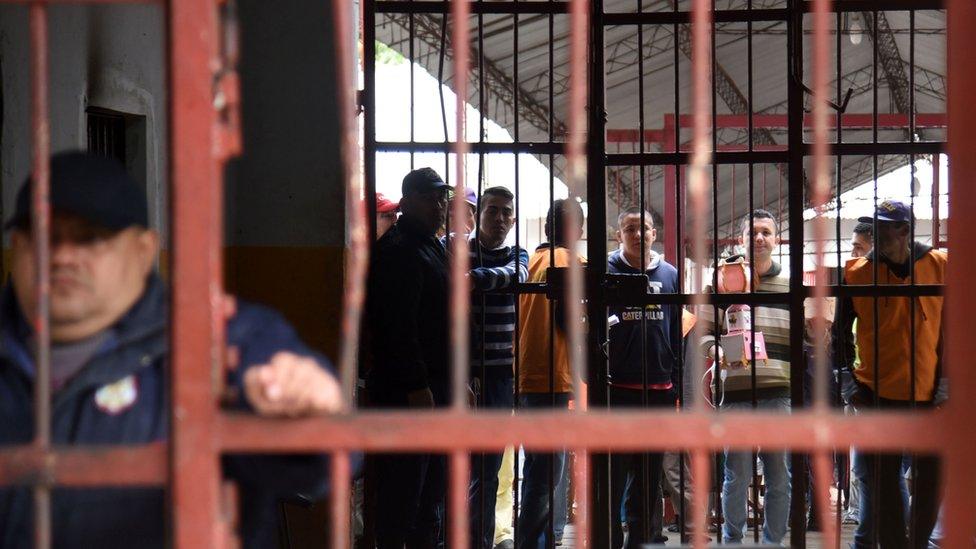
(357, 238)
(411, 32)
(460, 475)
(821, 194)
(823, 475)
(961, 478)
(460, 301)
(40, 232)
(196, 229)
(340, 495)
(576, 173)
(701, 157)
(701, 485)
(795, 214)
(460, 287)
(516, 348)
(369, 112)
(598, 508)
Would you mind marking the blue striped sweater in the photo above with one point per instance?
(492, 277)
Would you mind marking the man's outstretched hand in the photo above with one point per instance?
(291, 385)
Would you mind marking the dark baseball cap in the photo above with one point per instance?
(892, 211)
(422, 180)
(95, 188)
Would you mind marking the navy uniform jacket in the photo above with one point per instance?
(121, 397)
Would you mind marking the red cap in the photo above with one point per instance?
(385, 205)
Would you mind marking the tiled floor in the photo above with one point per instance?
(813, 539)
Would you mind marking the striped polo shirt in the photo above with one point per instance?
(773, 374)
(492, 278)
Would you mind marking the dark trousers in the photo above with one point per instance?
(540, 475)
(495, 391)
(882, 496)
(410, 489)
(635, 479)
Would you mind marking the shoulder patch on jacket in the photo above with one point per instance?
(117, 397)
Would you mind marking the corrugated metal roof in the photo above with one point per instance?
(536, 36)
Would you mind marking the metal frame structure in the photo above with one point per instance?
(204, 134)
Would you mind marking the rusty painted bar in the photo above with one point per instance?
(340, 500)
(594, 430)
(85, 466)
(820, 195)
(460, 298)
(960, 476)
(576, 163)
(459, 476)
(40, 232)
(357, 229)
(460, 302)
(698, 178)
(823, 475)
(195, 198)
(701, 485)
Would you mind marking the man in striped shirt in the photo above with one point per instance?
(495, 267)
(772, 384)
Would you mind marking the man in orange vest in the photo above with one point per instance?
(888, 375)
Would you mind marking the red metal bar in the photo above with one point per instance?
(823, 475)
(357, 228)
(576, 163)
(85, 466)
(961, 477)
(821, 192)
(701, 486)
(460, 288)
(41, 220)
(594, 430)
(195, 192)
(460, 300)
(340, 504)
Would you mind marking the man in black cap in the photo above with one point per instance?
(889, 377)
(109, 364)
(407, 316)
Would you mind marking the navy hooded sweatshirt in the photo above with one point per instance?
(662, 327)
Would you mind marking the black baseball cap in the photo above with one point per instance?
(95, 188)
(892, 211)
(422, 180)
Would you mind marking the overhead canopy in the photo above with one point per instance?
(493, 54)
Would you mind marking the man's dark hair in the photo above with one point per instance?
(498, 191)
(745, 226)
(634, 210)
(555, 230)
(864, 229)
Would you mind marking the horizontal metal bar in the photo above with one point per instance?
(440, 7)
(473, 148)
(881, 149)
(85, 466)
(684, 17)
(623, 297)
(683, 158)
(593, 430)
(880, 5)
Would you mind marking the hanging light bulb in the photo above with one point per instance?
(856, 31)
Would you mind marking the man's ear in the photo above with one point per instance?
(148, 249)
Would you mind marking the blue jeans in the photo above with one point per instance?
(496, 392)
(540, 474)
(885, 494)
(738, 477)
